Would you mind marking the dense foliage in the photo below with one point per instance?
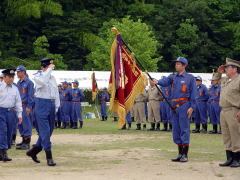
(77, 33)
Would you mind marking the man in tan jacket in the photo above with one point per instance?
(139, 110)
(230, 114)
(154, 99)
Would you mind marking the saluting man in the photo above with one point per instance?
(77, 97)
(26, 89)
(10, 102)
(46, 105)
(182, 96)
(201, 106)
(230, 113)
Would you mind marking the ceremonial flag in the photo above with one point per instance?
(126, 80)
(94, 87)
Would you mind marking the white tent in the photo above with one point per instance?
(102, 77)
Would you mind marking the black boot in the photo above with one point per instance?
(129, 125)
(229, 161)
(152, 127)
(75, 125)
(204, 128)
(26, 144)
(5, 156)
(184, 157)
(59, 124)
(106, 118)
(170, 127)
(49, 158)
(145, 126)
(33, 153)
(214, 131)
(165, 125)
(180, 153)
(71, 124)
(102, 118)
(67, 125)
(236, 160)
(138, 127)
(63, 125)
(197, 129)
(19, 144)
(55, 125)
(13, 140)
(1, 155)
(132, 119)
(158, 127)
(124, 127)
(81, 124)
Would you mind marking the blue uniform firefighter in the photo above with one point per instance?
(10, 103)
(215, 109)
(182, 97)
(77, 97)
(103, 99)
(165, 110)
(47, 103)
(201, 106)
(58, 117)
(128, 121)
(66, 98)
(26, 90)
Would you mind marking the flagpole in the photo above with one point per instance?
(142, 67)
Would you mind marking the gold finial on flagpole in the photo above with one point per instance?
(114, 31)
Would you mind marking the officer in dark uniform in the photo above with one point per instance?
(103, 98)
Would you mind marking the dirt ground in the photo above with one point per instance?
(126, 164)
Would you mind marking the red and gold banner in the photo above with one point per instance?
(126, 80)
(94, 87)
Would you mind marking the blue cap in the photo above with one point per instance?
(198, 78)
(21, 68)
(75, 81)
(59, 85)
(182, 60)
(69, 83)
(105, 88)
(9, 72)
(46, 61)
(64, 82)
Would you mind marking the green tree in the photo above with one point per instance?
(137, 34)
(33, 8)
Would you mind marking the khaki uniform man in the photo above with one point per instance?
(139, 110)
(154, 98)
(230, 114)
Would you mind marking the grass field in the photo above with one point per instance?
(101, 151)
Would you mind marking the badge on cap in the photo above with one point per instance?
(12, 72)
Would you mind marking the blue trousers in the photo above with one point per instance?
(201, 113)
(45, 117)
(128, 117)
(164, 112)
(215, 110)
(15, 124)
(7, 121)
(65, 111)
(25, 128)
(181, 125)
(76, 112)
(103, 109)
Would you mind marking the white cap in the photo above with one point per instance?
(1, 75)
